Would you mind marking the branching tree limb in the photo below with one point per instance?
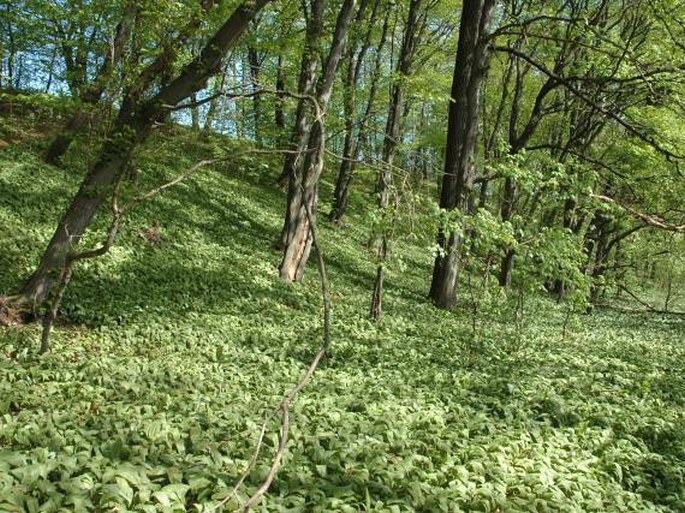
(284, 407)
(567, 83)
(650, 220)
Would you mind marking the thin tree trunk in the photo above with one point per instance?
(303, 186)
(254, 62)
(506, 213)
(518, 141)
(393, 134)
(352, 142)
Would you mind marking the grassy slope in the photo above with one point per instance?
(153, 395)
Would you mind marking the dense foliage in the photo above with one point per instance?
(502, 231)
(169, 355)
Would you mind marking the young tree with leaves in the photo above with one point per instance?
(145, 103)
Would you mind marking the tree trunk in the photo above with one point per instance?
(352, 143)
(302, 190)
(303, 186)
(391, 141)
(95, 189)
(292, 163)
(517, 142)
(459, 173)
(254, 62)
(132, 127)
(506, 213)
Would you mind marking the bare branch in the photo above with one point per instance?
(584, 97)
(647, 219)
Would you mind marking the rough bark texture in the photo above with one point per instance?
(459, 172)
(303, 180)
(134, 122)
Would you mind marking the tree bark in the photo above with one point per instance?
(352, 143)
(255, 65)
(391, 141)
(459, 171)
(292, 163)
(132, 127)
(303, 180)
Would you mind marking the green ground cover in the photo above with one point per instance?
(167, 358)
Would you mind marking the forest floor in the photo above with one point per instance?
(168, 355)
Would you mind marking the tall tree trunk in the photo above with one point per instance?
(279, 113)
(506, 213)
(391, 141)
(459, 173)
(255, 65)
(131, 128)
(303, 186)
(353, 138)
(292, 163)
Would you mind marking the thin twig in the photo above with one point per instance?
(284, 406)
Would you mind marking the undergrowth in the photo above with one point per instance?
(167, 357)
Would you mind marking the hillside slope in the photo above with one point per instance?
(168, 355)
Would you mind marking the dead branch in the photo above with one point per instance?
(648, 219)
(643, 303)
(242, 95)
(284, 407)
(640, 311)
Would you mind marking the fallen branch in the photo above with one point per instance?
(649, 308)
(284, 407)
(639, 310)
(643, 303)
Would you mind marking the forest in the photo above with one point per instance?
(342, 256)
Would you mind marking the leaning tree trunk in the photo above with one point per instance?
(459, 171)
(303, 185)
(132, 127)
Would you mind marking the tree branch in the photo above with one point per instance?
(584, 97)
(647, 219)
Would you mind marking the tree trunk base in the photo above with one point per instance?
(57, 149)
(15, 311)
